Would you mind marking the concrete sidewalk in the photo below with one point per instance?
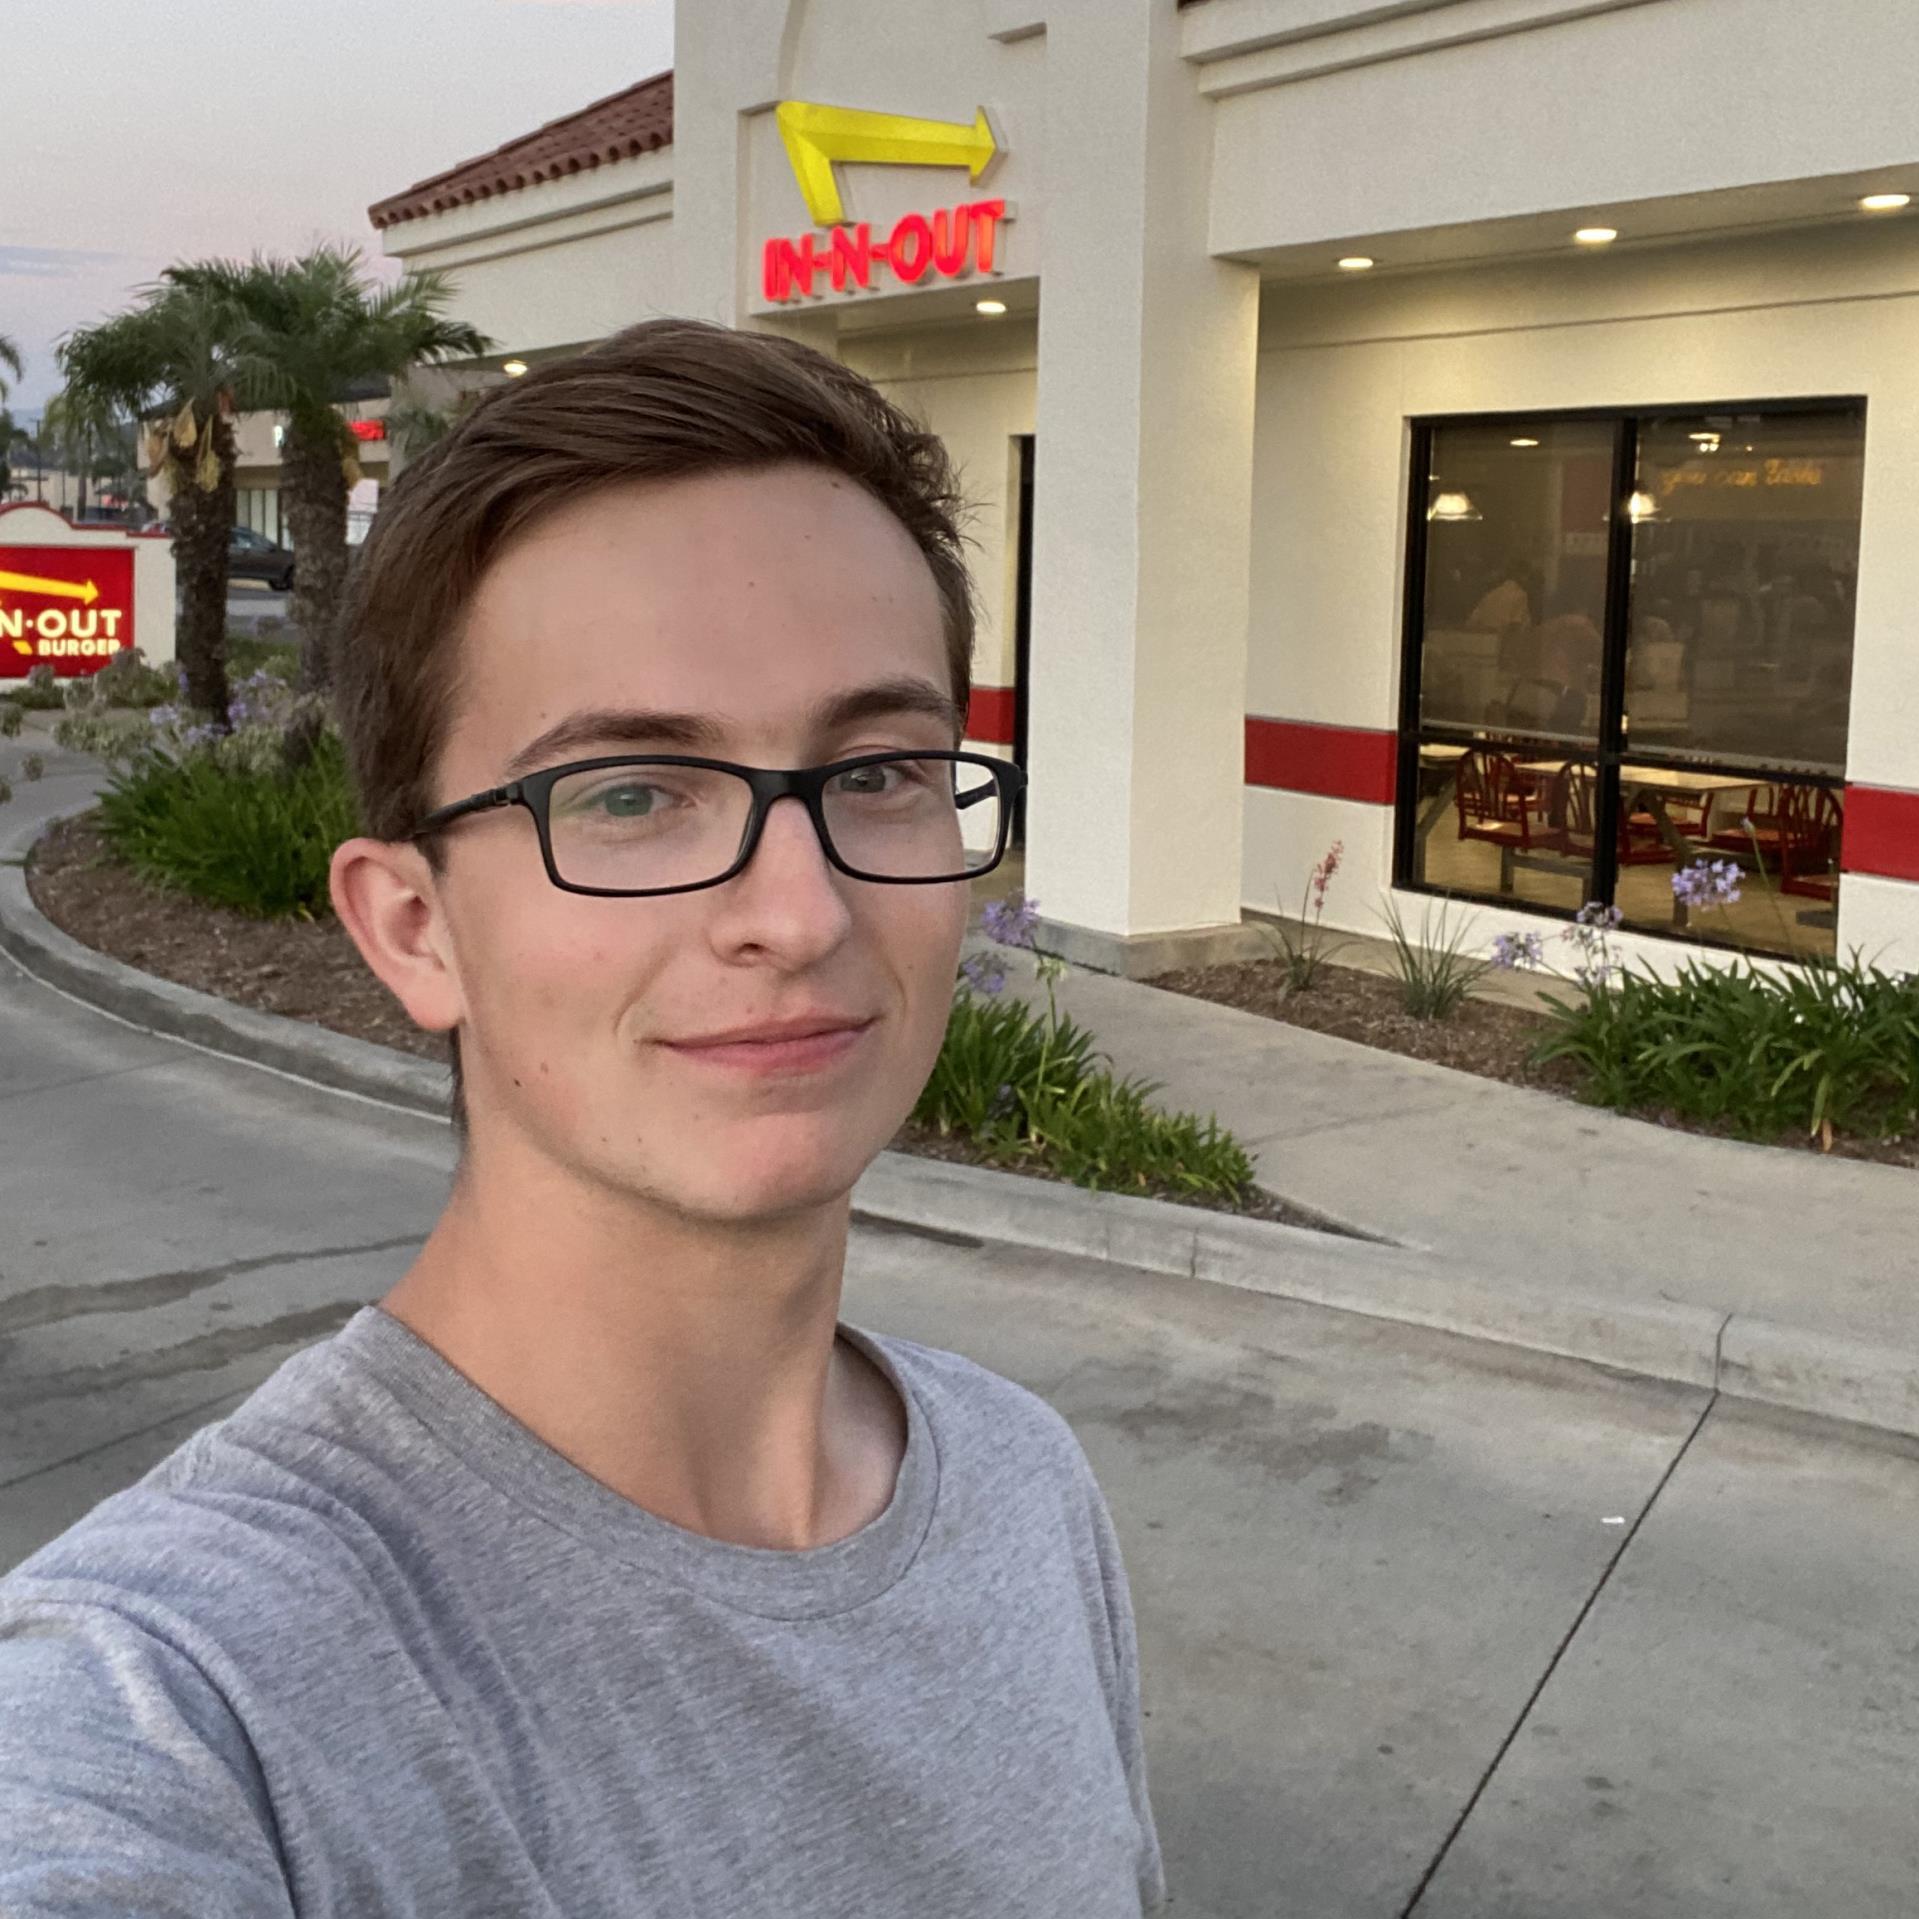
(1525, 1186)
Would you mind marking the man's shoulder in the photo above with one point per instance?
(973, 1405)
(237, 1522)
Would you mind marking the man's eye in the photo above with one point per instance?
(630, 801)
(869, 779)
(617, 800)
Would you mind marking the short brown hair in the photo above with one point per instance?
(667, 399)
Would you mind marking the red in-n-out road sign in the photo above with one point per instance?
(70, 607)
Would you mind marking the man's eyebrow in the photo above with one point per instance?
(614, 726)
(700, 733)
(883, 699)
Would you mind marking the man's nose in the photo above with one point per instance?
(789, 897)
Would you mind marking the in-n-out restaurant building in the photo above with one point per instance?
(1336, 478)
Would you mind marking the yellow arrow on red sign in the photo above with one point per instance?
(54, 589)
(817, 136)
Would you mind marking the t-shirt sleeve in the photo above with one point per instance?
(1127, 1724)
(127, 1785)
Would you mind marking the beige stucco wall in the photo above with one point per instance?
(976, 387)
(1344, 369)
(560, 264)
(1383, 120)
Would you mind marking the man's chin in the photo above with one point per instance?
(770, 1178)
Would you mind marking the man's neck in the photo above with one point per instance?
(690, 1368)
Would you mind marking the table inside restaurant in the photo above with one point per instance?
(1651, 787)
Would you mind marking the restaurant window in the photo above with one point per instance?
(1630, 650)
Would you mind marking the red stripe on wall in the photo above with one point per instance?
(1341, 762)
(989, 715)
(1881, 833)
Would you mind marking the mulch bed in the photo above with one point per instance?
(311, 970)
(1483, 1036)
(304, 969)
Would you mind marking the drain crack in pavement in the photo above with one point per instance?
(199, 1354)
(1552, 1665)
(44, 1305)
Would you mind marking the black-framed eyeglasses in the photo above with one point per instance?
(641, 824)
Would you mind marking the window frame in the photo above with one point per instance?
(1612, 750)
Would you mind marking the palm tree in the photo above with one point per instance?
(9, 356)
(170, 362)
(87, 430)
(311, 329)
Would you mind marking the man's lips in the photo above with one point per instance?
(776, 1046)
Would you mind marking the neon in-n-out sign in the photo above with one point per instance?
(953, 244)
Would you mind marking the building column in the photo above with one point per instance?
(1143, 501)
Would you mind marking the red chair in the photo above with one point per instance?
(1640, 843)
(1762, 808)
(1504, 806)
(1810, 823)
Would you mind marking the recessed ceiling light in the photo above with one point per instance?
(1884, 202)
(1596, 236)
(1355, 263)
(989, 306)
(1525, 442)
(512, 368)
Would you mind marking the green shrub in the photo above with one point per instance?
(1026, 1087)
(233, 832)
(259, 653)
(40, 691)
(1830, 1047)
(1435, 971)
(127, 680)
(11, 719)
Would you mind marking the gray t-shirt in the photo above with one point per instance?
(368, 1647)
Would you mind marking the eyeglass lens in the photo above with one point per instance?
(645, 825)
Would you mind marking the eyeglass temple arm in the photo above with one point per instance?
(506, 795)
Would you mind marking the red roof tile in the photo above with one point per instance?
(636, 120)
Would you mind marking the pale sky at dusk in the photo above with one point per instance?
(139, 132)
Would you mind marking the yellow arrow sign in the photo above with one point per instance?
(54, 589)
(817, 136)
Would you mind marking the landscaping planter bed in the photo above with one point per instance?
(1484, 1036)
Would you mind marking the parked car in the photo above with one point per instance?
(252, 556)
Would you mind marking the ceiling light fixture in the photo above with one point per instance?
(989, 306)
(1525, 442)
(1355, 263)
(1641, 507)
(1884, 202)
(1452, 505)
(512, 368)
(1596, 236)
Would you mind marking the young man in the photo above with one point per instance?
(600, 1568)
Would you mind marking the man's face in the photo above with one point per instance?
(748, 603)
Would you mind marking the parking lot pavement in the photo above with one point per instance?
(1425, 1625)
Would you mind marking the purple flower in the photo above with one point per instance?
(983, 973)
(1512, 951)
(1707, 883)
(1011, 922)
(1606, 918)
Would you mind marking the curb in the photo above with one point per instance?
(1740, 1354)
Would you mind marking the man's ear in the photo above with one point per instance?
(388, 901)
